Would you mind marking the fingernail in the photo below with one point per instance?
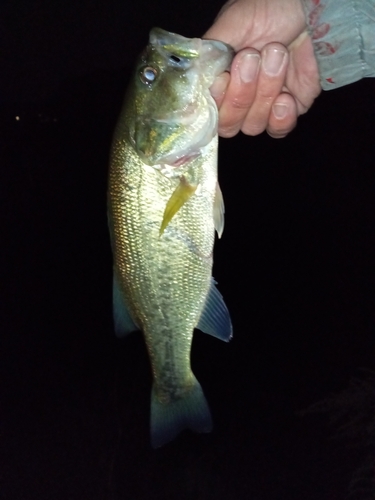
(280, 110)
(219, 86)
(273, 61)
(248, 67)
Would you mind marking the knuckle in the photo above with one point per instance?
(265, 98)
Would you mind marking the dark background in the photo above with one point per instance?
(295, 265)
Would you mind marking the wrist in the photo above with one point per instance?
(343, 41)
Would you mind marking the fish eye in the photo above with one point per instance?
(148, 75)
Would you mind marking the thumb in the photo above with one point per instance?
(255, 23)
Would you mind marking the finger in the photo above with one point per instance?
(283, 116)
(219, 87)
(240, 92)
(274, 57)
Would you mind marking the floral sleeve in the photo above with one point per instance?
(343, 34)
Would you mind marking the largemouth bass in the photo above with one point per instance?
(164, 206)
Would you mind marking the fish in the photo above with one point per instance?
(164, 205)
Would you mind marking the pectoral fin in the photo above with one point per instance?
(179, 196)
(219, 211)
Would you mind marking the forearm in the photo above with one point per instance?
(343, 35)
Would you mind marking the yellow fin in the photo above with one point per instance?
(179, 196)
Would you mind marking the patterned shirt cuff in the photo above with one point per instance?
(343, 35)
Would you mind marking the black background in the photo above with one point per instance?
(295, 265)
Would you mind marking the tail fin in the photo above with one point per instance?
(169, 419)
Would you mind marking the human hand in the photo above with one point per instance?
(270, 83)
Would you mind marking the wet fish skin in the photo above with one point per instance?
(162, 217)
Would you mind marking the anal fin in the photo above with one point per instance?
(215, 319)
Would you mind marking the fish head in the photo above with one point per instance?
(173, 113)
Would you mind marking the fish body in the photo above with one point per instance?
(164, 206)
